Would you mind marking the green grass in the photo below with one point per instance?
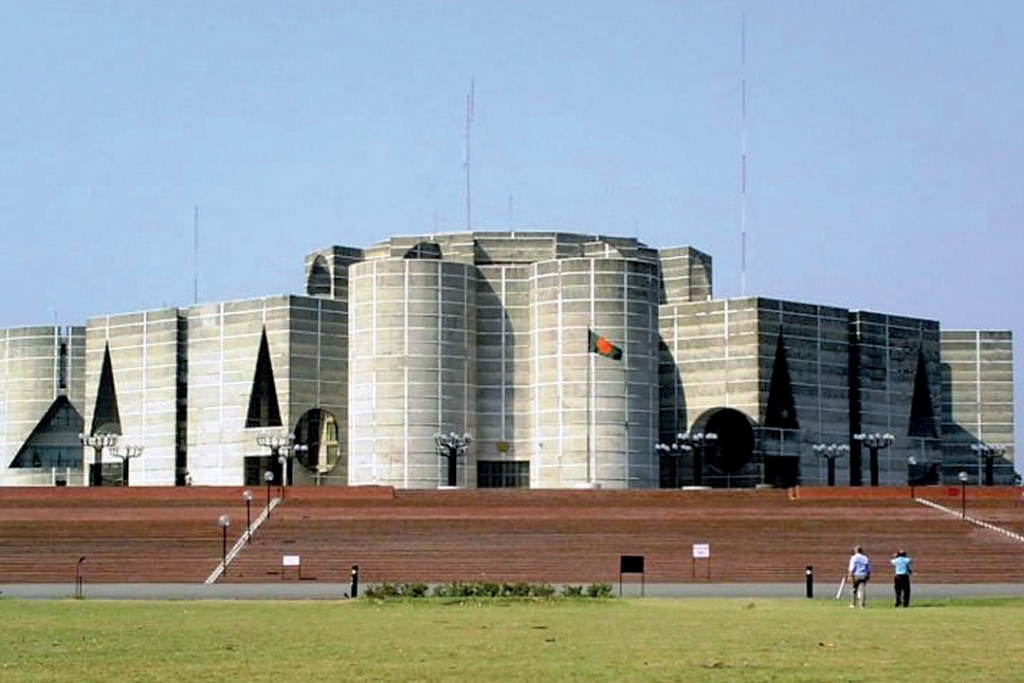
(508, 640)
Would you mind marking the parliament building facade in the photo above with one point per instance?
(489, 337)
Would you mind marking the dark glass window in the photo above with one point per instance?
(62, 366)
(500, 474)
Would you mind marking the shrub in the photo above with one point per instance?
(382, 591)
(543, 590)
(414, 590)
(490, 589)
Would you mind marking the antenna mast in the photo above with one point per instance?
(743, 157)
(195, 257)
(469, 125)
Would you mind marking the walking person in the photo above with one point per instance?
(859, 571)
(902, 569)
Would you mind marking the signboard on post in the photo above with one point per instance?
(291, 561)
(702, 551)
(631, 564)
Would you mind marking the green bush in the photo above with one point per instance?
(519, 589)
(414, 590)
(488, 589)
(543, 590)
(485, 589)
(382, 591)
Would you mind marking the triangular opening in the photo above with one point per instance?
(54, 441)
(922, 417)
(780, 412)
(105, 418)
(264, 410)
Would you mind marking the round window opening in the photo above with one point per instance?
(317, 430)
(735, 445)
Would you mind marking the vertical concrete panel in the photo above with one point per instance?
(223, 345)
(412, 360)
(30, 382)
(143, 353)
(595, 419)
(977, 401)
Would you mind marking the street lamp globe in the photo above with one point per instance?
(224, 521)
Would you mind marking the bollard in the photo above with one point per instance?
(809, 575)
(353, 588)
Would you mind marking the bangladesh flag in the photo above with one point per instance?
(602, 346)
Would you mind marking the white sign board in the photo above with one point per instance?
(290, 560)
(701, 551)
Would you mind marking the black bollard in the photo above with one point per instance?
(353, 589)
(809, 575)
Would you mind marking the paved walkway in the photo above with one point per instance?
(880, 592)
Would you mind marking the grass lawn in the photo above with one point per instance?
(508, 640)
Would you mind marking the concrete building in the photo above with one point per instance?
(551, 360)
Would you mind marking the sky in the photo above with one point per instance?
(882, 143)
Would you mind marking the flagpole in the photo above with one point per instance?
(590, 359)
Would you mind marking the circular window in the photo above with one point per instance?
(317, 432)
(735, 445)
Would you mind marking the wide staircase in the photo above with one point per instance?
(568, 536)
(125, 535)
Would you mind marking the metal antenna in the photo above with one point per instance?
(195, 257)
(469, 124)
(743, 157)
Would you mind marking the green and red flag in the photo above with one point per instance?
(601, 346)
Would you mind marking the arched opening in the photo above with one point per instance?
(319, 281)
(734, 447)
(317, 431)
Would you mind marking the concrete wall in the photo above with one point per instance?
(504, 376)
(306, 339)
(815, 342)
(30, 382)
(977, 398)
(595, 418)
(412, 360)
(144, 359)
(886, 355)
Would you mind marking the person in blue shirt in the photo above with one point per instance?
(902, 567)
(860, 573)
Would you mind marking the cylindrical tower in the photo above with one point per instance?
(412, 360)
(595, 417)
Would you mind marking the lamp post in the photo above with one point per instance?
(831, 451)
(268, 477)
(875, 442)
(79, 578)
(988, 453)
(247, 497)
(98, 442)
(126, 453)
(963, 477)
(697, 443)
(282, 448)
(700, 441)
(911, 480)
(679, 447)
(224, 521)
(451, 446)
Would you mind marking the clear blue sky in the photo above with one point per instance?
(883, 142)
